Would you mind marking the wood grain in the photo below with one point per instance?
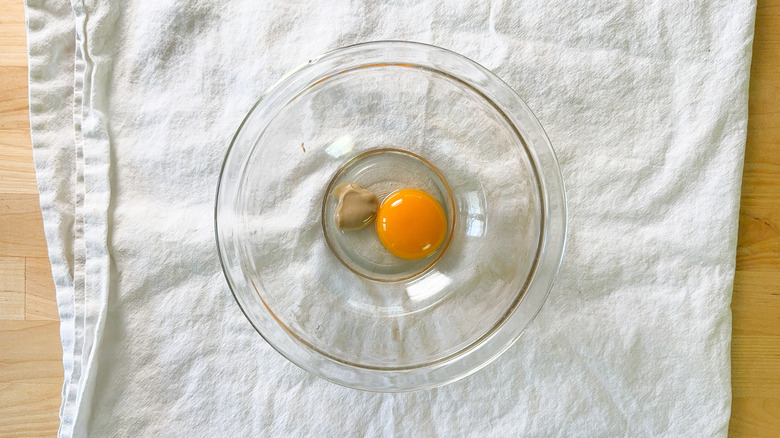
(13, 105)
(40, 300)
(17, 173)
(13, 40)
(21, 224)
(11, 288)
(755, 345)
(30, 352)
(30, 378)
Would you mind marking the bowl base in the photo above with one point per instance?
(384, 171)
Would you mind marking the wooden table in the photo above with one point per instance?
(30, 352)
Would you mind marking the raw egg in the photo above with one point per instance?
(411, 224)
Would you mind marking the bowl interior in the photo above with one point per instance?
(273, 211)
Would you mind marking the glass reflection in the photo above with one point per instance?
(475, 215)
(428, 286)
(340, 146)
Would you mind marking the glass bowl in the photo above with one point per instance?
(390, 115)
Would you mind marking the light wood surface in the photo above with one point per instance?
(30, 352)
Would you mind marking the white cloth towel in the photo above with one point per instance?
(133, 105)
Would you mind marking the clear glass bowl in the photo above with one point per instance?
(390, 115)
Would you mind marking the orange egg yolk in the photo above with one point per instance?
(411, 224)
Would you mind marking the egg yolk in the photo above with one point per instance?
(411, 224)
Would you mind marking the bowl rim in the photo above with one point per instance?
(443, 371)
